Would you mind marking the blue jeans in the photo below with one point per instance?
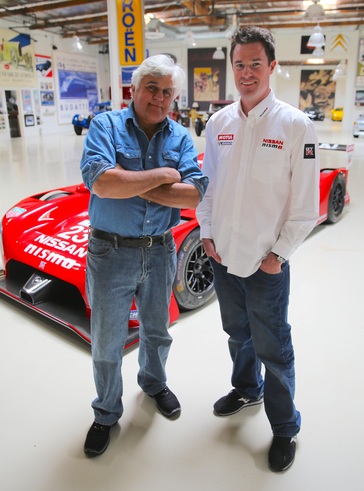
(254, 315)
(114, 277)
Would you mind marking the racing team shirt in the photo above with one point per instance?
(263, 192)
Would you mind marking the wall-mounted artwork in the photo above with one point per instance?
(317, 90)
(359, 98)
(206, 77)
(17, 67)
(76, 85)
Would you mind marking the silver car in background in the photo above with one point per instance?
(358, 128)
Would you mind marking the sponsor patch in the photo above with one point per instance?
(309, 151)
(225, 139)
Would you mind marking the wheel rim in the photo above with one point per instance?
(199, 274)
(338, 199)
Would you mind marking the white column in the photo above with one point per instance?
(115, 69)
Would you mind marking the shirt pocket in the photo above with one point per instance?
(269, 165)
(170, 158)
(129, 158)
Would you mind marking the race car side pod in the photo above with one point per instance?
(36, 290)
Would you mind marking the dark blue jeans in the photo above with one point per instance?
(254, 315)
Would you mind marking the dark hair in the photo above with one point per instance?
(252, 34)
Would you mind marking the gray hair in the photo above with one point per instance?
(160, 66)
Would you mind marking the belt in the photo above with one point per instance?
(119, 241)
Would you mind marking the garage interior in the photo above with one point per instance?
(47, 384)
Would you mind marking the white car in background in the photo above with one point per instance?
(358, 128)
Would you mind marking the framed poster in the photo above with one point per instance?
(359, 98)
(206, 77)
(76, 85)
(317, 90)
(17, 67)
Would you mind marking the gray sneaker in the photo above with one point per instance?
(234, 402)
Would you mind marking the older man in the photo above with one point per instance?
(141, 168)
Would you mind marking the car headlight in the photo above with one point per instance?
(81, 117)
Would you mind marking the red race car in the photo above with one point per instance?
(44, 254)
(44, 246)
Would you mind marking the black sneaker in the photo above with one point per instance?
(281, 453)
(97, 439)
(234, 402)
(167, 402)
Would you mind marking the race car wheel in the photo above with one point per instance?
(78, 129)
(194, 282)
(336, 199)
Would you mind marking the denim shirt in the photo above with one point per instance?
(115, 137)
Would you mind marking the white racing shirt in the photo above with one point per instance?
(263, 193)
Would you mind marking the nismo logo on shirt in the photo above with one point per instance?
(268, 142)
(225, 139)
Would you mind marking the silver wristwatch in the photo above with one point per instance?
(280, 259)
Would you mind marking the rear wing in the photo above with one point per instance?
(328, 159)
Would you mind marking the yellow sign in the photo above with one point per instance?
(130, 23)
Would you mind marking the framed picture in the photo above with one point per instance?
(317, 90)
(359, 98)
(206, 77)
(29, 120)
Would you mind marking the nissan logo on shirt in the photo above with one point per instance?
(270, 143)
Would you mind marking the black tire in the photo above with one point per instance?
(198, 127)
(336, 199)
(78, 129)
(194, 282)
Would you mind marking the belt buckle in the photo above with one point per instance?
(150, 241)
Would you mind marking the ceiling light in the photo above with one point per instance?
(218, 54)
(317, 39)
(190, 39)
(76, 44)
(283, 73)
(318, 53)
(314, 11)
(340, 70)
(153, 29)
